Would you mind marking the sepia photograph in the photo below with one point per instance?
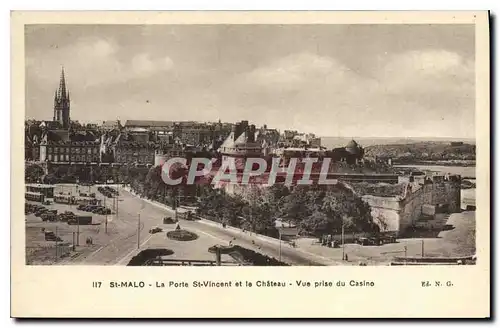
(258, 144)
(107, 106)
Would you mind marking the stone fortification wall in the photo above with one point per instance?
(396, 214)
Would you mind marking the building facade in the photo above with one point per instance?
(70, 152)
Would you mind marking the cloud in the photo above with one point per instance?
(428, 72)
(410, 93)
(144, 65)
(393, 92)
(294, 71)
(93, 62)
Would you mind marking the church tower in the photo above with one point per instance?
(61, 103)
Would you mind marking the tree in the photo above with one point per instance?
(153, 184)
(33, 173)
(258, 215)
(296, 207)
(317, 224)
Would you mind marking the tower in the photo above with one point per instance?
(62, 103)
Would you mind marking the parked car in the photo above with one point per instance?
(96, 209)
(105, 211)
(67, 215)
(366, 241)
(51, 236)
(388, 239)
(40, 212)
(155, 230)
(169, 220)
(49, 216)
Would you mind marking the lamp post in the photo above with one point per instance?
(280, 246)
(106, 218)
(406, 250)
(138, 230)
(343, 239)
(139, 226)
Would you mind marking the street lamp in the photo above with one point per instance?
(139, 225)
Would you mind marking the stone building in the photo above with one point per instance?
(59, 146)
(132, 147)
(352, 153)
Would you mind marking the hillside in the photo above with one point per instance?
(332, 142)
(423, 151)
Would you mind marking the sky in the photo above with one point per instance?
(332, 80)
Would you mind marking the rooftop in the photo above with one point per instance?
(145, 123)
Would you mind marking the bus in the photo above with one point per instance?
(72, 200)
(63, 199)
(34, 196)
(46, 190)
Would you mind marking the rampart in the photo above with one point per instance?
(400, 212)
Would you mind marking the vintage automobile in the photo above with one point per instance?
(155, 230)
(169, 220)
(51, 236)
(366, 241)
(49, 216)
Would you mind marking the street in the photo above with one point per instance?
(119, 243)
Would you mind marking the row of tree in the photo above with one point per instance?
(316, 210)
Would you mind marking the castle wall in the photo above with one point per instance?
(447, 192)
(385, 211)
(401, 213)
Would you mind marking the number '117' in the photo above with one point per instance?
(96, 284)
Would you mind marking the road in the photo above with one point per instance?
(123, 230)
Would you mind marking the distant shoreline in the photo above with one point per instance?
(438, 163)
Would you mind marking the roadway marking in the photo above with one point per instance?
(210, 235)
(93, 253)
(134, 250)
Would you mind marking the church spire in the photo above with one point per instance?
(61, 92)
(62, 103)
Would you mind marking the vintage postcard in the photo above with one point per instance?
(279, 164)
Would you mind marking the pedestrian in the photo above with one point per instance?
(346, 258)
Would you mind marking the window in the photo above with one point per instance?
(50, 158)
(89, 151)
(95, 150)
(67, 158)
(49, 150)
(77, 150)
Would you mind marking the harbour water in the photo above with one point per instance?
(464, 171)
